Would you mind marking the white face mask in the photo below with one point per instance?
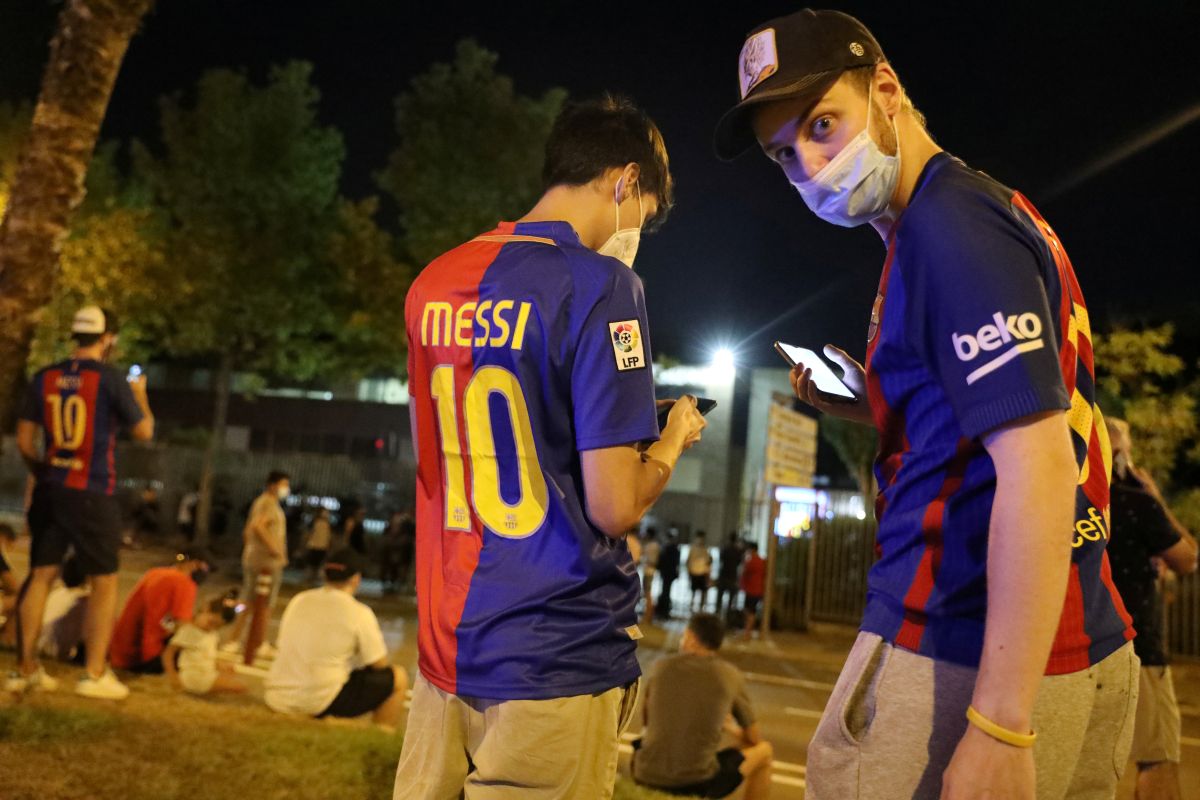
(282, 492)
(857, 185)
(623, 244)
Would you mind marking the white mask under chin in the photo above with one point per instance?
(856, 186)
(623, 244)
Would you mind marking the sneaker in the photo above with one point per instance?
(106, 687)
(38, 681)
(233, 647)
(265, 650)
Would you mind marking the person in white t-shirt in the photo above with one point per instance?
(66, 606)
(332, 659)
(190, 658)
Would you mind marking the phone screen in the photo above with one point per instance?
(135, 372)
(703, 405)
(827, 381)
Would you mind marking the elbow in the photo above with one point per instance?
(143, 431)
(611, 521)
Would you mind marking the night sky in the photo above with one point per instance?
(1030, 92)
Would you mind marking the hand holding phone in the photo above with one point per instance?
(703, 405)
(684, 415)
(815, 382)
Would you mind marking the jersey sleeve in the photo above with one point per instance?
(125, 407)
(612, 383)
(1155, 529)
(31, 401)
(979, 315)
(371, 646)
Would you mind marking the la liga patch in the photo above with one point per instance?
(628, 347)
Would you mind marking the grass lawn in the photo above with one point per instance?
(159, 745)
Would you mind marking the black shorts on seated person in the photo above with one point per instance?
(364, 691)
(723, 784)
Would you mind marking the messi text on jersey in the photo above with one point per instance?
(498, 323)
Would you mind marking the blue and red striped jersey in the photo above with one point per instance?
(979, 321)
(81, 406)
(525, 348)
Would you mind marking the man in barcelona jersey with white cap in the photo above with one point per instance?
(994, 657)
(80, 404)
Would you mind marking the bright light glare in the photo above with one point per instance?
(724, 365)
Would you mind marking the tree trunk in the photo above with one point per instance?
(85, 56)
(216, 442)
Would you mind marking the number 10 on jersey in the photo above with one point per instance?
(514, 521)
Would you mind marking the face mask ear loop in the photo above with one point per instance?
(617, 204)
(641, 219)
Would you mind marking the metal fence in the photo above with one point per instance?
(822, 577)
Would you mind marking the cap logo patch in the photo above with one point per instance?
(758, 60)
(857, 49)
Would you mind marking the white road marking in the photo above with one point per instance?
(1189, 741)
(779, 680)
(802, 712)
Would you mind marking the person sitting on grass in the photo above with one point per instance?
(9, 588)
(66, 608)
(162, 600)
(689, 698)
(332, 659)
(190, 659)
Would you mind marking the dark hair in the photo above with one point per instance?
(708, 629)
(277, 475)
(592, 136)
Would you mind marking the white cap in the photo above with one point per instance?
(89, 319)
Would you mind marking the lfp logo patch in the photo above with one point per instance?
(628, 348)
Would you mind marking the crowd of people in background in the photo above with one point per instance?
(740, 570)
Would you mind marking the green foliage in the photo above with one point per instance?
(23, 725)
(856, 446)
(1186, 507)
(1145, 384)
(248, 183)
(112, 258)
(14, 126)
(470, 153)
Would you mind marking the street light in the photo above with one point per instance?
(723, 366)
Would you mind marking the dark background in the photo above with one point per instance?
(1030, 92)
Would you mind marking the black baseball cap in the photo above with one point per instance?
(342, 565)
(801, 54)
(197, 553)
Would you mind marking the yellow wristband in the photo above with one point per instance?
(998, 732)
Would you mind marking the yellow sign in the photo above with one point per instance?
(791, 447)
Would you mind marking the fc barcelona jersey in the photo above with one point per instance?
(979, 321)
(525, 348)
(81, 406)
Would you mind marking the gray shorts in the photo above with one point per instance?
(250, 575)
(1156, 736)
(895, 718)
(512, 749)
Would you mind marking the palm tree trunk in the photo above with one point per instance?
(85, 57)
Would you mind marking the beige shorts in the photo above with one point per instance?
(895, 718)
(565, 748)
(197, 681)
(1156, 732)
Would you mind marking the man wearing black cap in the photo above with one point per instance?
(80, 404)
(333, 661)
(993, 638)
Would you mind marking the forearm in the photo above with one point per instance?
(1029, 557)
(27, 446)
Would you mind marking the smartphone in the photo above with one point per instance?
(828, 383)
(135, 372)
(703, 405)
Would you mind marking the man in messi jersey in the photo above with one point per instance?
(991, 613)
(532, 391)
(80, 404)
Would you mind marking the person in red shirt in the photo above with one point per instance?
(163, 599)
(754, 582)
